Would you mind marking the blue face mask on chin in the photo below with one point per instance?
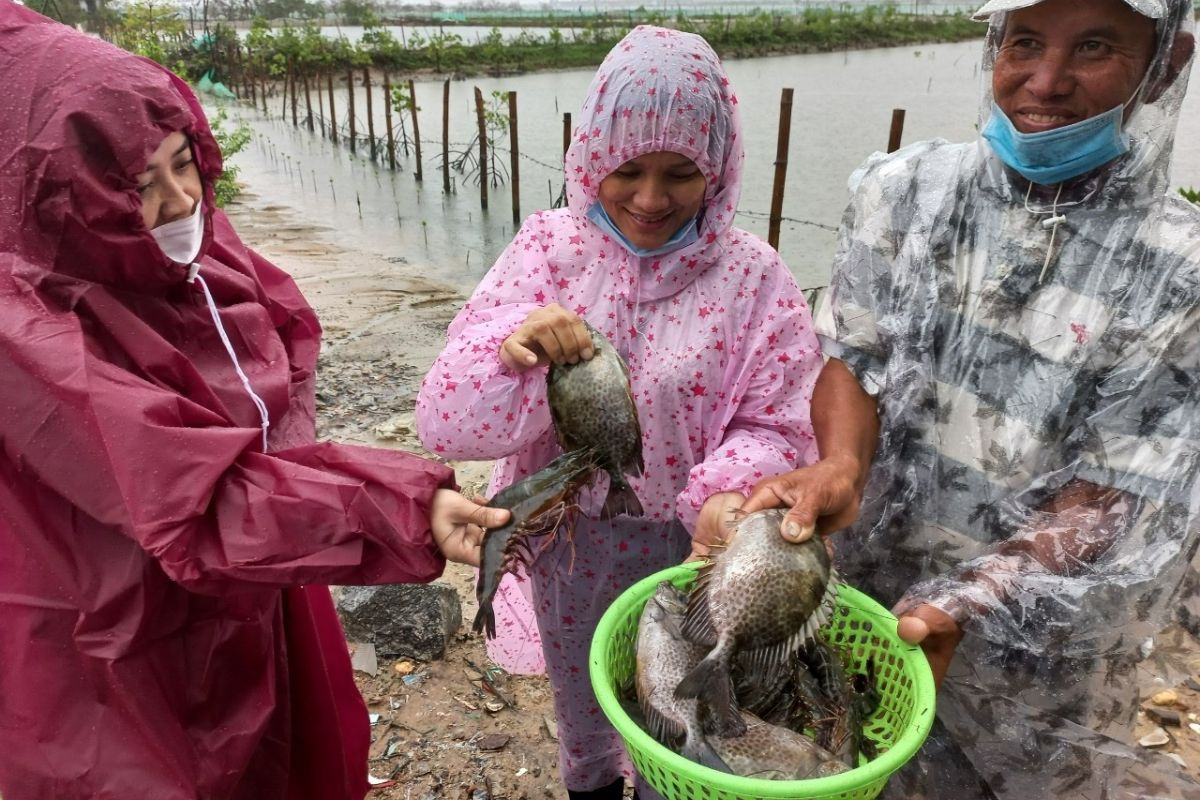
(1057, 155)
(686, 235)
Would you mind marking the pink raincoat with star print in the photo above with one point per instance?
(717, 337)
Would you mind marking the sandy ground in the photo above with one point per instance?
(460, 728)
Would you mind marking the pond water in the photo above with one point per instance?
(842, 112)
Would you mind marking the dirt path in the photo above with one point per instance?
(440, 731)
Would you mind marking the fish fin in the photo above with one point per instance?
(664, 729)
(710, 683)
(697, 624)
(485, 618)
(698, 750)
(621, 501)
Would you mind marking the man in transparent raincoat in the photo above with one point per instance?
(1008, 418)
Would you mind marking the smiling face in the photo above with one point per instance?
(652, 196)
(170, 186)
(1064, 61)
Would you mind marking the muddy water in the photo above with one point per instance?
(842, 111)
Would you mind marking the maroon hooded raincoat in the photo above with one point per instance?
(149, 645)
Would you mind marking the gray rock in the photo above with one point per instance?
(410, 620)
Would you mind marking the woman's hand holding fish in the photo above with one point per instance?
(824, 495)
(551, 334)
(458, 525)
(714, 525)
(936, 631)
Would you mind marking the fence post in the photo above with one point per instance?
(897, 130)
(566, 132)
(515, 158)
(446, 136)
(781, 159)
(307, 100)
(350, 101)
(370, 110)
(412, 99)
(248, 76)
(332, 109)
(387, 118)
(483, 170)
(292, 78)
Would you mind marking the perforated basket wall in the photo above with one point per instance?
(860, 626)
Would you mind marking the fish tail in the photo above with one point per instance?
(621, 500)
(710, 683)
(697, 749)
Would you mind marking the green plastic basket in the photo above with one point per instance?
(860, 627)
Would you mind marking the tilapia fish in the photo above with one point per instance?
(592, 406)
(663, 658)
(774, 753)
(762, 597)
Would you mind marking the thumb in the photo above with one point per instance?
(912, 629)
(493, 517)
(797, 526)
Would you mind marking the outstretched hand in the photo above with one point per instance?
(458, 524)
(825, 495)
(549, 335)
(936, 631)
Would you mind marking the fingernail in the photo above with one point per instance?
(791, 530)
(587, 354)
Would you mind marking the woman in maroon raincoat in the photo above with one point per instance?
(160, 484)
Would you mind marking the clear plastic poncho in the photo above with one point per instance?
(1036, 471)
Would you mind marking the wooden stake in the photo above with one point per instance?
(514, 157)
(446, 136)
(332, 110)
(412, 99)
(483, 170)
(781, 159)
(350, 119)
(897, 130)
(292, 80)
(387, 118)
(566, 132)
(249, 77)
(370, 112)
(307, 101)
(283, 100)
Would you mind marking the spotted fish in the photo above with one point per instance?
(760, 597)
(592, 406)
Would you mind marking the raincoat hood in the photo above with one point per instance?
(72, 148)
(1155, 112)
(657, 90)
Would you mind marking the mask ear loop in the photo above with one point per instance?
(193, 276)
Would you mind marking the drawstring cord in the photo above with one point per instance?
(193, 276)
(1052, 222)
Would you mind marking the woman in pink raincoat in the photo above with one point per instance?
(717, 337)
(162, 497)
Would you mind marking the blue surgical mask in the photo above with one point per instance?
(681, 238)
(1057, 155)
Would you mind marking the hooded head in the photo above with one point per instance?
(1149, 62)
(660, 91)
(82, 119)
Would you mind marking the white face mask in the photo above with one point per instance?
(180, 240)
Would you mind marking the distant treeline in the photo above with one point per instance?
(270, 51)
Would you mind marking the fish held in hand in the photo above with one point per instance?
(663, 658)
(537, 503)
(762, 597)
(592, 406)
